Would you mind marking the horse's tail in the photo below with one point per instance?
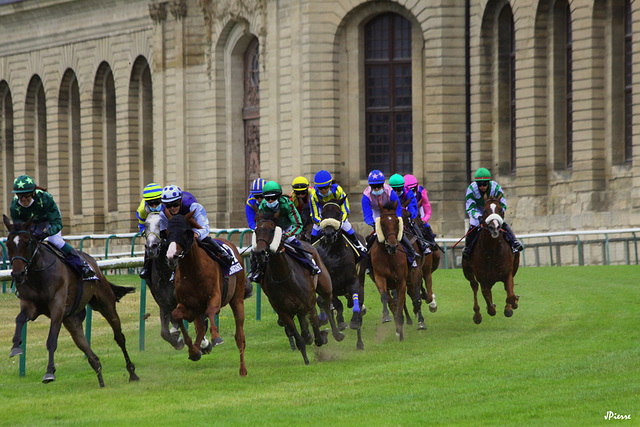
(121, 291)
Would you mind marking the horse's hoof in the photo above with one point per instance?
(363, 310)
(48, 378)
(179, 345)
(360, 346)
(16, 351)
(477, 320)
(508, 312)
(207, 349)
(422, 326)
(355, 324)
(195, 357)
(217, 341)
(342, 325)
(409, 321)
(339, 336)
(133, 377)
(433, 307)
(386, 318)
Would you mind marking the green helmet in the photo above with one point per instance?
(396, 180)
(271, 189)
(24, 184)
(482, 174)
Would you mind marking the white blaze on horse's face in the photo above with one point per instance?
(494, 221)
(16, 240)
(171, 251)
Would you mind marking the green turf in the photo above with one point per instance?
(568, 355)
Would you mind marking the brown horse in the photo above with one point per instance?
(201, 286)
(290, 287)
(389, 264)
(492, 260)
(427, 264)
(48, 286)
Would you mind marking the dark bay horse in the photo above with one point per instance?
(201, 286)
(492, 260)
(48, 286)
(290, 287)
(340, 260)
(390, 264)
(160, 285)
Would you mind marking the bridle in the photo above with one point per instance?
(33, 251)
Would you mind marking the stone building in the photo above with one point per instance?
(98, 98)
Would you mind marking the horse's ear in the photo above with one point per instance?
(7, 222)
(395, 205)
(191, 220)
(189, 215)
(167, 213)
(379, 206)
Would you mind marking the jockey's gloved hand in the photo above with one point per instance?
(40, 234)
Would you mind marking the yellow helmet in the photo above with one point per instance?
(300, 184)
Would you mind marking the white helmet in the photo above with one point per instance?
(171, 193)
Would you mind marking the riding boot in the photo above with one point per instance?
(311, 263)
(361, 251)
(255, 272)
(411, 253)
(74, 259)
(145, 273)
(226, 260)
(429, 235)
(469, 241)
(370, 240)
(510, 237)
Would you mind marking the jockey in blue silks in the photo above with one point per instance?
(410, 203)
(379, 192)
(253, 201)
(328, 191)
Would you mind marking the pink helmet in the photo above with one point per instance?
(410, 181)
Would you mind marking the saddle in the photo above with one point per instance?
(208, 248)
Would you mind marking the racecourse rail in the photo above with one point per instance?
(599, 247)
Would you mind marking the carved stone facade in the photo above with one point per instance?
(189, 125)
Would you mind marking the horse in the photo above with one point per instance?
(160, 285)
(340, 261)
(290, 287)
(201, 286)
(48, 286)
(390, 265)
(492, 260)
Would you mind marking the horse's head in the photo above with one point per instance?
(389, 227)
(152, 234)
(267, 237)
(492, 217)
(180, 237)
(21, 247)
(332, 220)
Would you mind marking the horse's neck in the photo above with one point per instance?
(279, 265)
(488, 243)
(193, 259)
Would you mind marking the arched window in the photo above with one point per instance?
(251, 113)
(36, 131)
(507, 89)
(6, 142)
(104, 127)
(70, 138)
(628, 81)
(388, 100)
(562, 57)
(141, 121)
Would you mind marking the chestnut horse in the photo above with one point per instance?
(201, 286)
(290, 287)
(492, 260)
(390, 264)
(46, 285)
(339, 258)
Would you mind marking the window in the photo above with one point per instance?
(388, 97)
(628, 81)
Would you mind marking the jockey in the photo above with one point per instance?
(150, 203)
(290, 222)
(424, 207)
(378, 191)
(31, 202)
(478, 191)
(178, 202)
(253, 201)
(327, 191)
(408, 202)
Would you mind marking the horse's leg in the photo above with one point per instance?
(57, 314)
(165, 332)
(320, 337)
(106, 305)
(325, 290)
(427, 270)
(198, 324)
(339, 308)
(287, 320)
(416, 298)
(73, 324)
(326, 307)
(22, 318)
(356, 317)
(477, 317)
(385, 310)
(237, 307)
(488, 297)
(212, 310)
(512, 298)
(401, 297)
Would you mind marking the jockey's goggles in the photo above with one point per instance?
(271, 198)
(398, 189)
(175, 204)
(482, 183)
(376, 186)
(153, 203)
(25, 195)
(302, 192)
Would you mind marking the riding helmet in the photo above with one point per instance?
(322, 178)
(410, 181)
(396, 180)
(171, 193)
(151, 192)
(256, 186)
(482, 174)
(24, 184)
(271, 189)
(375, 177)
(300, 184)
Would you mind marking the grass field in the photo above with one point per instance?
(570, 354)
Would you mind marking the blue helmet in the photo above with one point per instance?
(322, 178)
(376, 177)
(171, 193)
(256, 186)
